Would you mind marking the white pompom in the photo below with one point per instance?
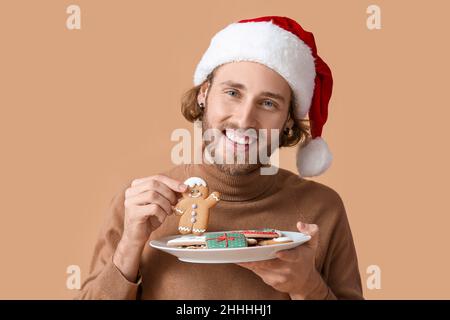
(314, 158)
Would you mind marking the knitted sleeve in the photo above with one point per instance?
(341, 262)
(105, 281)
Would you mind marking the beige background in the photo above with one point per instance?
(84, 111)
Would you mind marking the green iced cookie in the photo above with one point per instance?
(220, 240)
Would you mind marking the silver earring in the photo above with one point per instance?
(201, 105)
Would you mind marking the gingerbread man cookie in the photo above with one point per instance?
(194, 206)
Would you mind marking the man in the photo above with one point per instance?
(260, 74)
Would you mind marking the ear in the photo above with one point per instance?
(203, 93)
(289, 123)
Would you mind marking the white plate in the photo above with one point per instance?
(230, 255)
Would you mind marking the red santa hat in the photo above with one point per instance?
(281, 44)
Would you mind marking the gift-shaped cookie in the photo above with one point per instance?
(219, 240)
(194, 206)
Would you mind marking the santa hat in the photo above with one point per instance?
(281, 44)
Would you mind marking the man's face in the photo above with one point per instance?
(244, 97)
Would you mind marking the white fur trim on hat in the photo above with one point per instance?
(270, 45)
(192, 181)
(314, 158)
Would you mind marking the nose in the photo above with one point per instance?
(246, 115)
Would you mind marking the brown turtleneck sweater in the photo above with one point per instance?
(247, 202)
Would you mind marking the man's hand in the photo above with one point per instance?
(148, 201)
(294, 271)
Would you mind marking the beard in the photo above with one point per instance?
(240, 164)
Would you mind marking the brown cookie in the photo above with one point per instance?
(195, 247)
(274, 241)
(194, 207)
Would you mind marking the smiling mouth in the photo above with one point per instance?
(238, 137)
(196, 195)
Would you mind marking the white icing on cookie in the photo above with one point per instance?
(192, 181)
(282, 239)
(187, 241)
(214, 197)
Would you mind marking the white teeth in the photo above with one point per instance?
(239, 137)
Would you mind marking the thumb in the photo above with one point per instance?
(311, 230)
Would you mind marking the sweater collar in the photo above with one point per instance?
(233, 188)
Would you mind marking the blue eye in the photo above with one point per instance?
(234, 93)
(268, 103)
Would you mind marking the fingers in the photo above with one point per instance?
(271, 275)
(246, 265)
(173, 184)
(273, 264)
(156, 213)
(290, 255)
(155, 221)
(250, 266)
(311, 230)
(151, 184)
(152, 197)
(158, 189)
(307, 228)
(148, 201)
